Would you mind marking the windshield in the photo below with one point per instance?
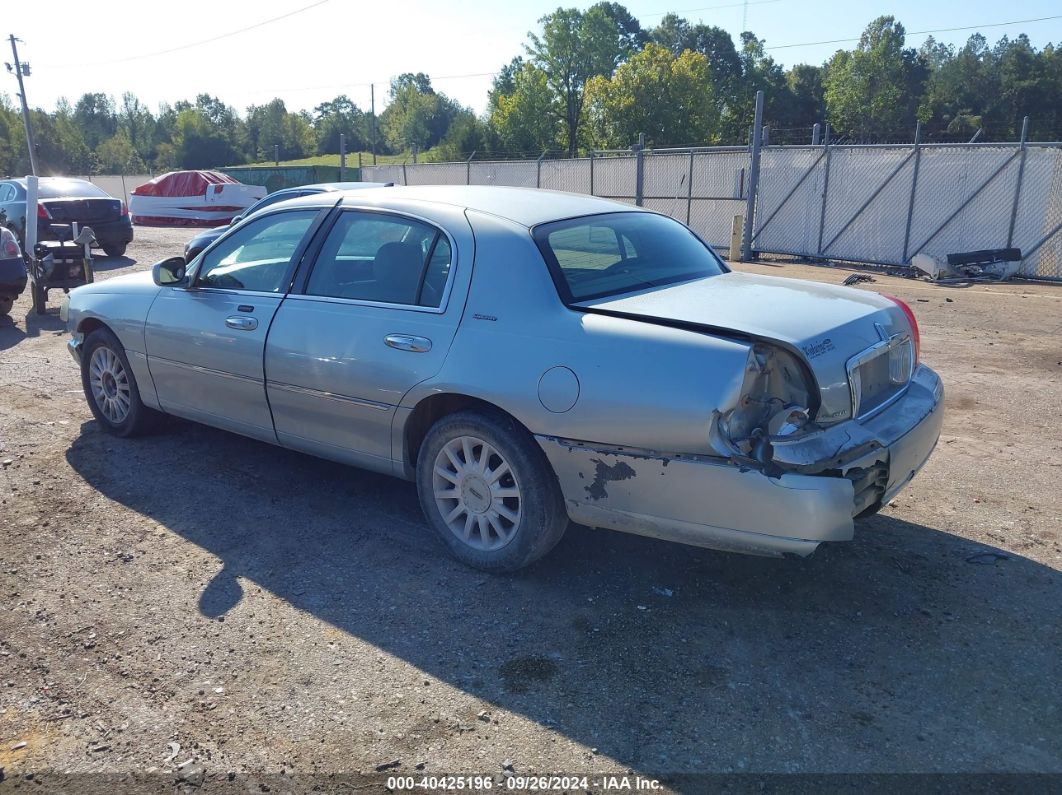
(602, 255)
(69, 189)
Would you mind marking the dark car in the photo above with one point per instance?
(62, 201)
(208, 236)
(12, 270)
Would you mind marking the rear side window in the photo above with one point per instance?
(603, 255)
(69, 189)
(383, 258)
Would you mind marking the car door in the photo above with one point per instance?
(205, 341)
(375, 316)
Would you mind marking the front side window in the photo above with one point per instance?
(383, 258)
(602, 255)
(258, 255)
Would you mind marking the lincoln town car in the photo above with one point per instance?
(530, 359)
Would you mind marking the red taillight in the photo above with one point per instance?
(916, 337)
(42, 213)
(8, 245)
(125, 210)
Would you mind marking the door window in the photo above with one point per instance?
(7, 193)
(258, 255)
(384, 258)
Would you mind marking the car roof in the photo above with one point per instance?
(328, 187)
(525, 206)
(22, 180)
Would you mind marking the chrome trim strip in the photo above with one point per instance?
(877, 349)
(206, 370)
(318, 393)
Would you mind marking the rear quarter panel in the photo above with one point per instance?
(640, 385)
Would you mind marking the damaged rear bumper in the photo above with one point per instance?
(831, 476)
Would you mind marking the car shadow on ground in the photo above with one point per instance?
(907, 649)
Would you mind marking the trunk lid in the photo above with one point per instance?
(84, 211)
(825, 325)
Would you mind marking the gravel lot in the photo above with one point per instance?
(271, 612)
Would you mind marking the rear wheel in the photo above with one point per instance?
(111, 389)
(115, 249)
(489, 492)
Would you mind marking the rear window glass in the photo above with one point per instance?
(69, 188)
(602, 255)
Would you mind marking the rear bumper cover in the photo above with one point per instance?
(710, 502)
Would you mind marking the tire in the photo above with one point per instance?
(115, 249)
(6, 302)
(115, 401)
(40, 299)
(497, 526)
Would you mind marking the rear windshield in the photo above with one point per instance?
(69, 189)
(602, 255)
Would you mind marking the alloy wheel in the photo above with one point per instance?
(476, 493)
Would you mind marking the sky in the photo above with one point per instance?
(319, 49)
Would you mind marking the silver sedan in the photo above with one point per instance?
(529, 358)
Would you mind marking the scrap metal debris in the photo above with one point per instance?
(856, 278)
(987, 265)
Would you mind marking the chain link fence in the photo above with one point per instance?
(879, 204)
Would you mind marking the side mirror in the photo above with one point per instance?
(235, 220)
(170, 272)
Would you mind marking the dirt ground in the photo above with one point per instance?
(268, 612)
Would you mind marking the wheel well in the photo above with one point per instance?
(434, 408)
(90, 324)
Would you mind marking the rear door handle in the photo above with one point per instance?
(241, 323)
(407, 342)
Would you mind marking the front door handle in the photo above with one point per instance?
(241, 323)
(407, 342)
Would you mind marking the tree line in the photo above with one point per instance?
(587, 79)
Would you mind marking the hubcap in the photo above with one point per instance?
(110, 385)
(476, 493)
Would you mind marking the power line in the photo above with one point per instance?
(194, 43)
(709, 8)
(920, 32)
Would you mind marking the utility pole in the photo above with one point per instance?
(372, 100)
(19, 70)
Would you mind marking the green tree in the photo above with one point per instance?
(523, 118)
(340, 116)
(573, 47)
(669, 99)
(96, 117)
(874, 89)
(272, 125)
(714, 43)
(199, 143)
(417, 115)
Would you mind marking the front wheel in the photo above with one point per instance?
(110, 388)
(115, 250)
(487, 489)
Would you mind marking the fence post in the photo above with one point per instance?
(405, 180)
(359, 164)
(689, 191)
(592, 173)
(639, 169)
(754, 179)
(816, 131)
(1017, 187)
(914, 189)
(825, 185)
(468, 168)
(538, 169)
(766, 137)
(342, 157)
